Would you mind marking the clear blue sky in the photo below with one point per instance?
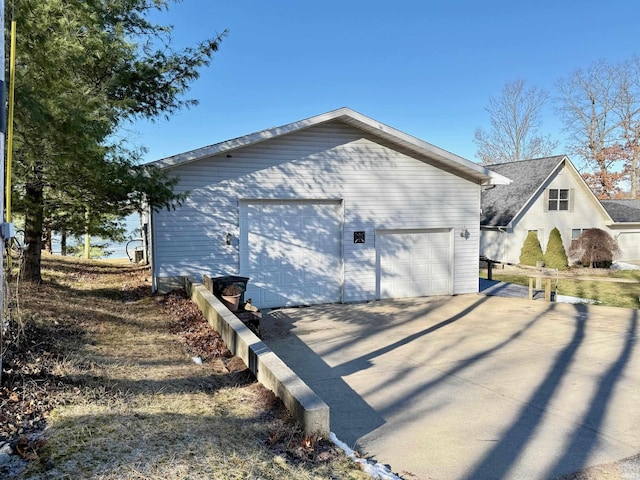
(425, 67)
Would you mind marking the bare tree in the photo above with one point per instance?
(515, 125)
(600, 108)
(629, 114)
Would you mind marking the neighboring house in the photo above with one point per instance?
(334, 208)
(546, 193)
(625, 215)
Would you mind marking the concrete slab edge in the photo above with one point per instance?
(311, 412)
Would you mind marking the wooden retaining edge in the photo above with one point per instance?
(311, 412)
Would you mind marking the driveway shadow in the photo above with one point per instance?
(351, 416)
(347, 408)
(561, 336)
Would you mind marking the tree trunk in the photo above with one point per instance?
(87, 246)
(34, 198)
(63, 243)
(87, 237)
(48, 240)
(634, 177)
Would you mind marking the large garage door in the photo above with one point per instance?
(291, 251)
(414, 263)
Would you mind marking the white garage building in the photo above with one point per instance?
(334, 208)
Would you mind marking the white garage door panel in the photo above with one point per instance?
(414, 263)
(291, 251)
(629, 243)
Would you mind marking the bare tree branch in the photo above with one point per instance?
(600, 108)
(515, 125)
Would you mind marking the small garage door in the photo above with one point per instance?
(292, 251)
(629, 243)
(414, 263)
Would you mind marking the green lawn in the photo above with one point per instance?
(601, 288)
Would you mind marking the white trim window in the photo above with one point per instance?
(558, 199)
(576, 232)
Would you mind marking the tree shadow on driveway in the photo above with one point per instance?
(380, 382)
(351, 416)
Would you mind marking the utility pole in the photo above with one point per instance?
(3, 129)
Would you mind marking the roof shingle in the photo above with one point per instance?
(501, 203)
(623, 211)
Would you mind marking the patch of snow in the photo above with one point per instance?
(624, 266)
(374, 470)
(567, 299)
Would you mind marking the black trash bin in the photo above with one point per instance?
(218, 284)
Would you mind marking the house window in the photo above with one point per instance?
(558, 199)
(576, 232)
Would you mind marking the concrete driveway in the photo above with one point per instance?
(471, 386)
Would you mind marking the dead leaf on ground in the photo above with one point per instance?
(26, 449)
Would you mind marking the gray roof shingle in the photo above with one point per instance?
(502, 202)
(623, 211)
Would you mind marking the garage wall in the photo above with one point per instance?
(380, 188)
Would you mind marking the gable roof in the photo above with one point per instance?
(623, 211)
(439, 156)
(501, 204)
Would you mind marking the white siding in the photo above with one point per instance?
(493, 245)
(381, 189)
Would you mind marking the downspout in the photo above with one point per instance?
(152, 260)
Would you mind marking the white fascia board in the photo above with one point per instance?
(452, 160)
(497, 179)
(235, 143)
(623, 224)
(457, 163)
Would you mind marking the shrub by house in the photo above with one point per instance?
(555, 256)
(531, 250)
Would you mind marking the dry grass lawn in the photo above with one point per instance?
(129, 401)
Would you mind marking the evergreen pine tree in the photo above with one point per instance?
(84, 71)
(555, 255)
(531, 251)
